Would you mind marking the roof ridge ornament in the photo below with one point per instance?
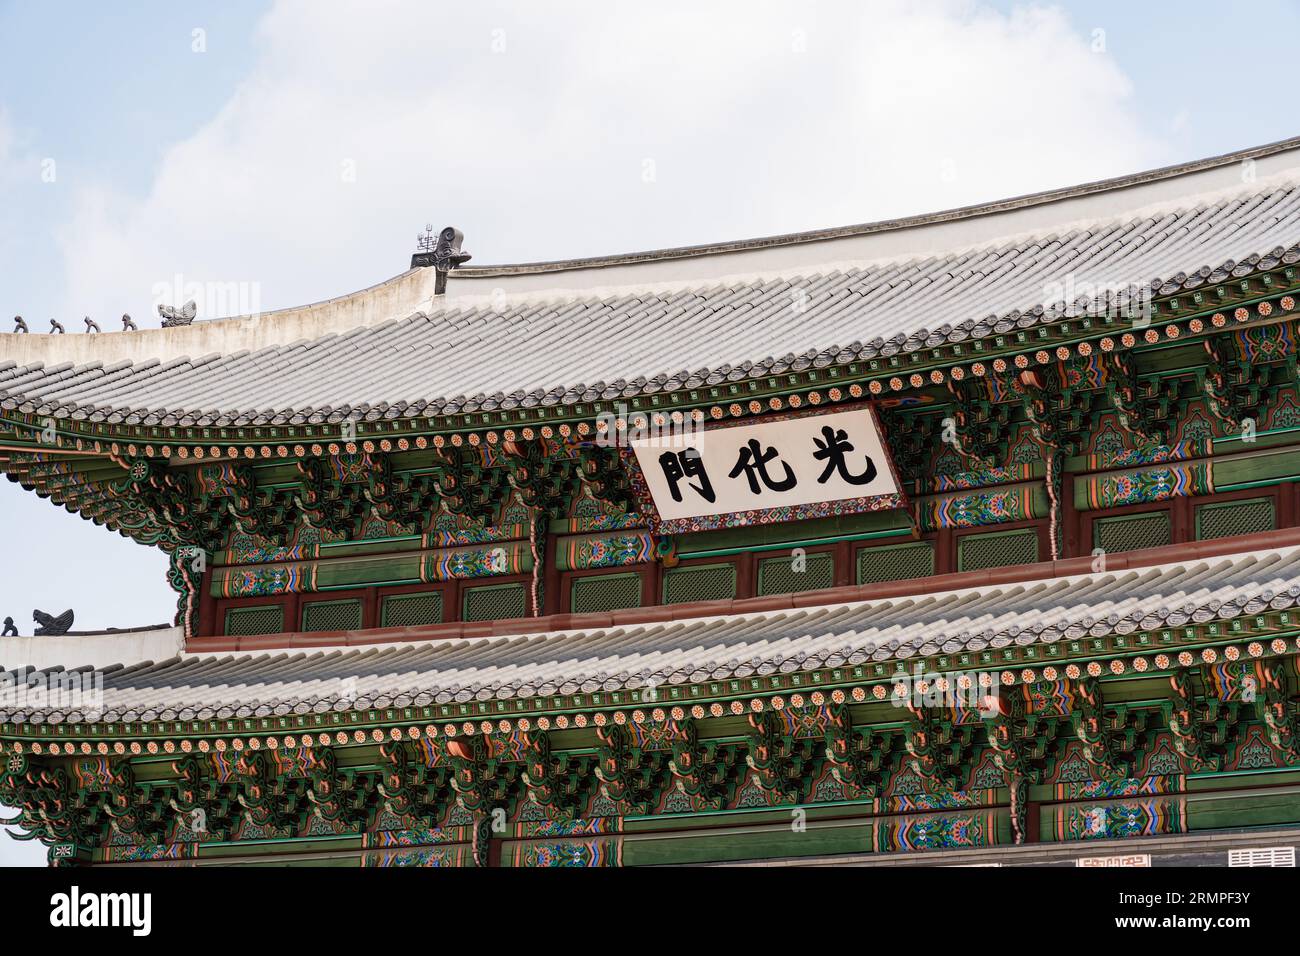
(51, 626)
(173, 317)
(19, 324)
(443, 254)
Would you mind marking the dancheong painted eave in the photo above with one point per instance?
(520, 338)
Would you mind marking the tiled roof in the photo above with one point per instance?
(562, 351)
(700, 649)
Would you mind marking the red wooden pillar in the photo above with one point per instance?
(652, 583)
(551, 576)
(945, 552)
(844, 573)
(206, 618)
(451, 607)
(370, 608)
(1072, 544)
(293, 614)
(745, 583)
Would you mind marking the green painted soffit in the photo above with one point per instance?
(1266, 467)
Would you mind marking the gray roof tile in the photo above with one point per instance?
(700, 649)
(465, 358)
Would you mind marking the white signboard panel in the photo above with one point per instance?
(783, 464)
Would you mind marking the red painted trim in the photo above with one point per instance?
(746, 575)
(206, 618)
(552, 588)
(1033, 820)
(1069, 519)
(653, 585)
(1044, 570)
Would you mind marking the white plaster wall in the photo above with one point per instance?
(91, 650)
(397, 298)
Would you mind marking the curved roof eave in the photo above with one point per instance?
(944, 276)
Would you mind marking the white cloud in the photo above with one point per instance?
(14, 166)
(19, 166)
(6, 139)
(11, 164)
(535, 130)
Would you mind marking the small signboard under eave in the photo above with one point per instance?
(787, 468)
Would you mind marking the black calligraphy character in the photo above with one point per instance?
(753, 462)
(678, 465)
(833, 450)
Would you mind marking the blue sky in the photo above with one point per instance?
(103, 90)
(543, 132)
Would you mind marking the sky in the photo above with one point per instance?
(295, 148)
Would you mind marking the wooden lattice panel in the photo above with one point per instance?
(496, 602)
(249, 621)
(1234, 517)
(606, 592)
(1132, 532)
(412, 610)
(895, 562)
(796, 573)
(977, 552)
(714, 582)
(331, 616)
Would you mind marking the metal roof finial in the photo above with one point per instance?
(425, 241)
